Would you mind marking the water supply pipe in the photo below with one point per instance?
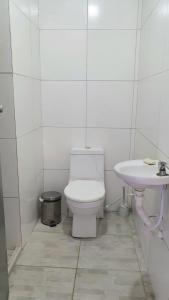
(139, 197)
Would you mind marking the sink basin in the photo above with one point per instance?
(140, 175)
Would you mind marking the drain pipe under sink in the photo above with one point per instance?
(139, 196)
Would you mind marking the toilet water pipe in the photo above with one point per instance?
(112, 203)
(139, 196)
(119, 199)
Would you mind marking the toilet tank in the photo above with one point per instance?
(87, 163)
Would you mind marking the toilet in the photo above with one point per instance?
(85, 193)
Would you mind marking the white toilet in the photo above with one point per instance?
(85, 192)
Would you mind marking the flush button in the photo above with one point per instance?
(1, 108)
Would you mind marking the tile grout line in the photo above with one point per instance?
(90, 29)
(71, 268)
(76, 271)
(138, 261)
(105, 234)
(86, 78)
(47, 267)
(81, 80)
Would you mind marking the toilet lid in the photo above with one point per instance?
(85, 190)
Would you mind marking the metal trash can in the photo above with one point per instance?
(50, 208)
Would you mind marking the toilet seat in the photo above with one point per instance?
(85, 190)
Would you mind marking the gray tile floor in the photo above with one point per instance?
(55, 266)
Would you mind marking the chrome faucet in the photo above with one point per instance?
(162, 166)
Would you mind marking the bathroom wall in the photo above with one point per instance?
(151, 138)
(27, 102)
(88, 71)
(8, 155)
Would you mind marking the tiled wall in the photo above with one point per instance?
(7, 134)
(152, 134)
(88, 69)
(27, 101)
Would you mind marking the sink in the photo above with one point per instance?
(140, 175)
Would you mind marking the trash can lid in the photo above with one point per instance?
(51, 196)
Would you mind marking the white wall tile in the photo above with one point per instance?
(63, 14)
(4, 23)
(149, 99)
(166, 217)
(21, 44)
(30, 167)
(63, 54)
(58, 143)
(27, 104)
(35, 51)
(27, 99)
(111, 54)
(29, 8)
(137, 54)
(12, 222)
(163, 125)
(113, 190)
(23, 5)
(34, 11)
(57, 180)
(5, 58)
(143, 148)
(64, 103)
(140, 10)
(134, 105)
(148, 7)
(154, 52)
(116, 143)
(37, 105)
(5, 43)
(7, 118)
(116, 14)
(109, 104)
(9, 167)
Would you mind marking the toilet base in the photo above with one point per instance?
(100, 214)
(84, 226)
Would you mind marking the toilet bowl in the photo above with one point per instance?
(85, 192)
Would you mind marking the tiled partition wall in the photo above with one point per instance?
(152, 134)
(8, 155)
(88, 63)
(27, 100)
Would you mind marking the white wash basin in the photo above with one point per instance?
(140, 175)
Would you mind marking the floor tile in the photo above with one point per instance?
(108, 267)
(108, 252)
(50, 250)
(108, 285)
(64, 227)
(38, 283)
(114, 224)
(148, 286)
(139, 253)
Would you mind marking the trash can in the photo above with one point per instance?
(50, 208)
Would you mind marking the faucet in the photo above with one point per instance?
(162, 166)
